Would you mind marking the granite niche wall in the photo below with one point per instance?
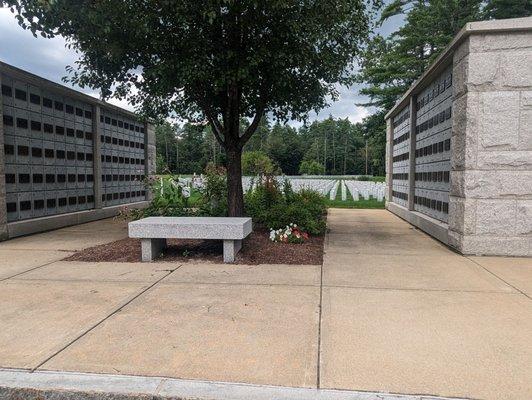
(66, 158)
(459, 153)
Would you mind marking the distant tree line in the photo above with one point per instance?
(332, 147)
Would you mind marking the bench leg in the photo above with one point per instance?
(231, 248)
(152, 248)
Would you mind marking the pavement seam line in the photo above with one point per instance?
(101, 321)
(29, 270)
(167, 283)
(419, 289)
(320, 315)
(498, 277)
(390, 254)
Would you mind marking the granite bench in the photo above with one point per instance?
(154, 231)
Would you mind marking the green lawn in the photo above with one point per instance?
(345, 178)
(350, 203)
(368, 178)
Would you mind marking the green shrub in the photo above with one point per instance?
(261, 198)
(270, 203)
(214, 193)
(257, 163)
(170, 198)
(311, 168)
(274, 207)
(371, 178)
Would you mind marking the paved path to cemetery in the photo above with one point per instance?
(390, 311)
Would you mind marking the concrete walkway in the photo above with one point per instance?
(390, 311)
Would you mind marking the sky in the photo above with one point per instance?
(48, 58)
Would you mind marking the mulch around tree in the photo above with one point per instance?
(256, 249)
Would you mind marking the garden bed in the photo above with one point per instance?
(257, 249)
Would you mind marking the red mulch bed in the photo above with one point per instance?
(256, 249)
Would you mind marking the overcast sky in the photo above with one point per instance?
(49, 57)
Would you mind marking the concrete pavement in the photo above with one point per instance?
(390, 311)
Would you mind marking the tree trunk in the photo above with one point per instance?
(334, 152)
(235, 193)
(230, 138)
(345, 154)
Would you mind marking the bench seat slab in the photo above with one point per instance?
(220, 228)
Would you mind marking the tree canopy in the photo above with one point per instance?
(214, 60)
(311, 168)
(257, 163)
(391, 64)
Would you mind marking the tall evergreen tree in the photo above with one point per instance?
(501, 9)
(389, 65)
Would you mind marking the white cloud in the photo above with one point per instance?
(44, 57)
(344, 107)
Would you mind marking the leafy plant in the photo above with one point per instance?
(311, 167)
(270, 203)
(276, 207)
(257, 163)
(160, 163)
(214, 193)
(220, 62)
(171, 198)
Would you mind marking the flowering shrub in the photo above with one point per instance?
(213, 200)
(291, 234)
(271, 204)
(275, 207)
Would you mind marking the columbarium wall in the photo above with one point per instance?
(460, 165)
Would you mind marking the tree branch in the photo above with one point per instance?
(253, 127)
(215, 125)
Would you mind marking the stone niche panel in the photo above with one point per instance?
(465, 126)
(525, 121)
(500, 217)
(499, 120)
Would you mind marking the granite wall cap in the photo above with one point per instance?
(446, 56)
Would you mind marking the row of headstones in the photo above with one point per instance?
(330, 187)
(357, 189)
(364, 189)
(322, 186)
